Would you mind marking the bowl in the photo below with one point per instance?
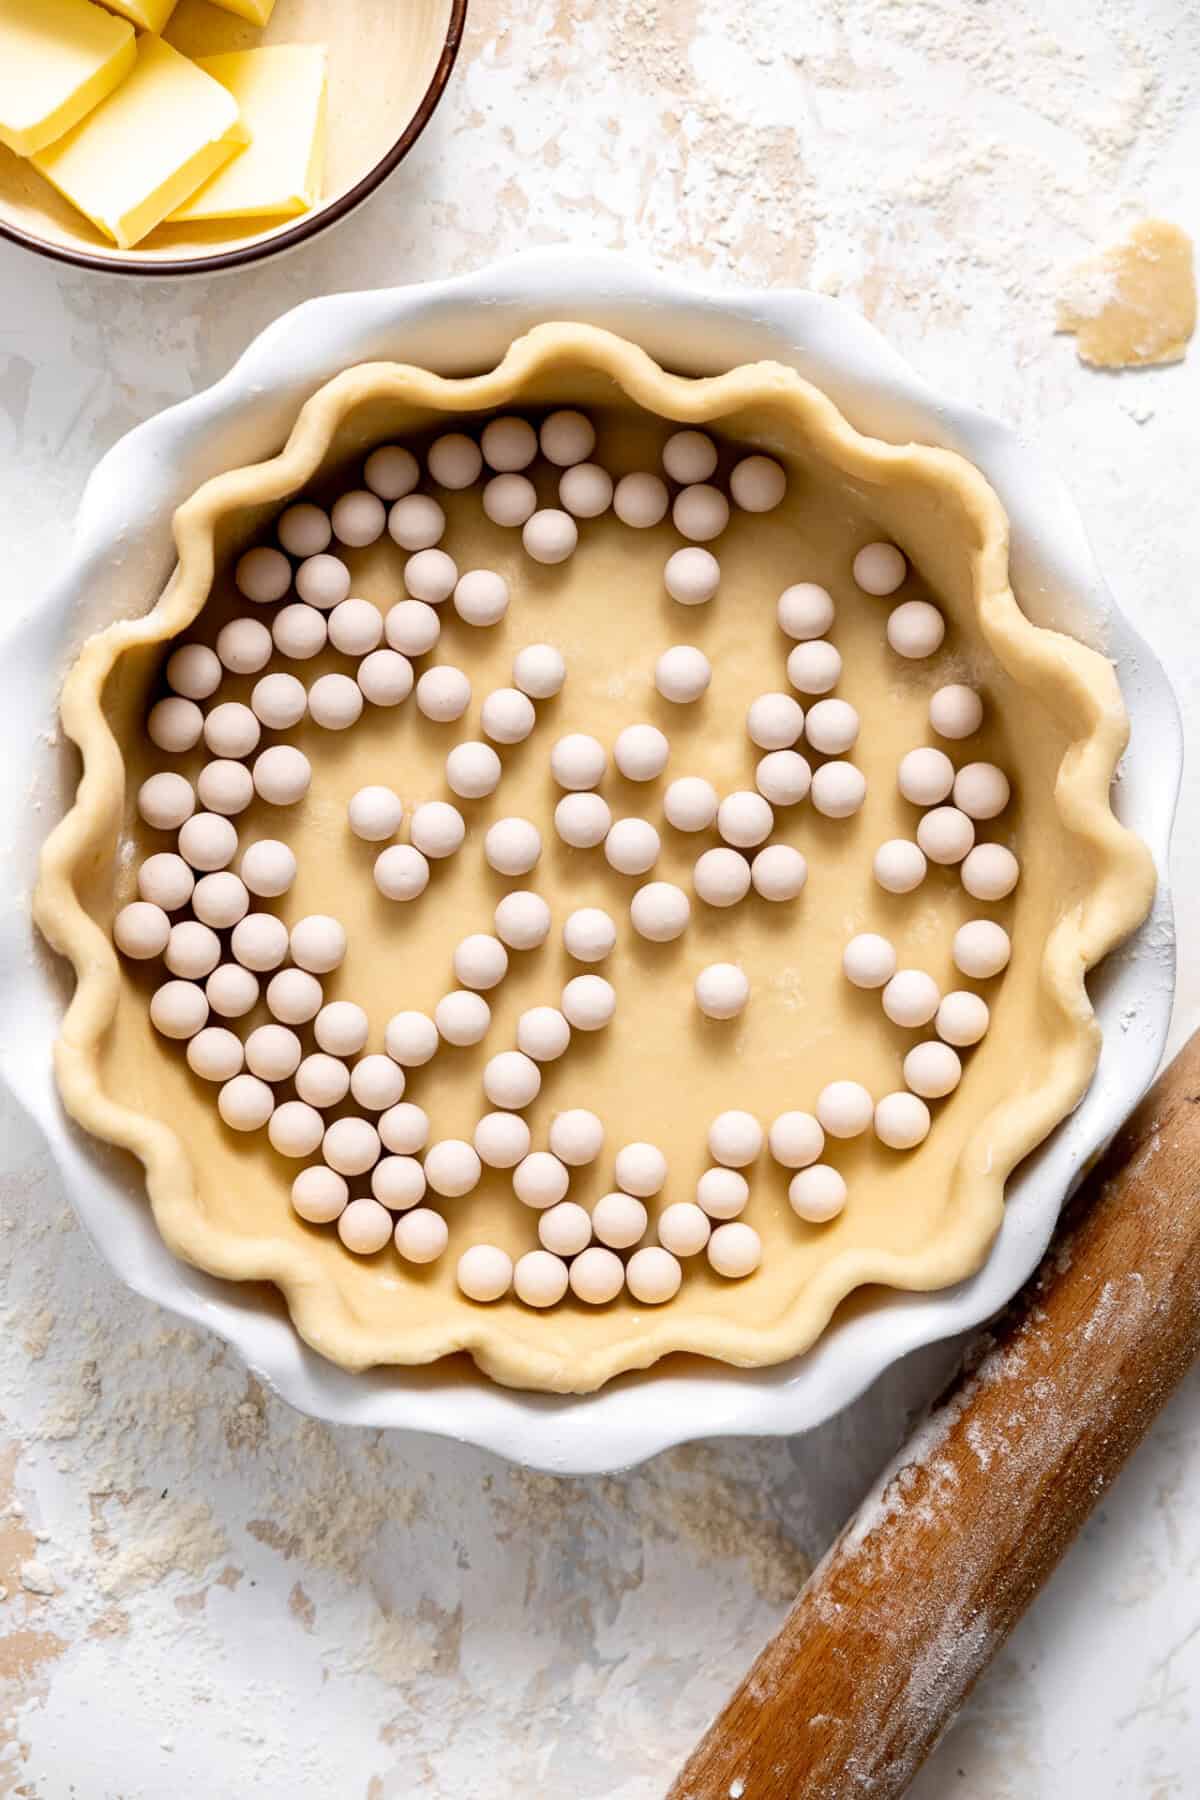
(121, 555)
(388, 67)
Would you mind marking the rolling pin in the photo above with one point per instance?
(927, 1580)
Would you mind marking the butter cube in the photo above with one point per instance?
(257, 11)
(280, 91)
(58, 60)
(163, 132)
(148, 15)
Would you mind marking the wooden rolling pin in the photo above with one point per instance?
(927, 1580)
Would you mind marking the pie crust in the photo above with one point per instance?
(917, 1220)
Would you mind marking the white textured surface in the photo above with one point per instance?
(243, 1600)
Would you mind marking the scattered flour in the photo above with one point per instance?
(37, 1579)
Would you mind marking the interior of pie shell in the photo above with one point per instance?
(660, 1071)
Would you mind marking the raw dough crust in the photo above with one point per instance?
(1135, 303)
(917, 1220)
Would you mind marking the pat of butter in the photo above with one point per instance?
(58, 60)
(280, 91)
(257, 11)
(148, 15)
(166, 129)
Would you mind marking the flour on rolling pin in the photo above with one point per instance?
(924, 1483)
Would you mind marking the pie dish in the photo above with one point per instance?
(920, 1220)
(119, 556)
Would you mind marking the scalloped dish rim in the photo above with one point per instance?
(1074, 682)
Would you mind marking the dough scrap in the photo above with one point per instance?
(1134, 304)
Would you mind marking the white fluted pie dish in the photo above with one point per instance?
(456, 328)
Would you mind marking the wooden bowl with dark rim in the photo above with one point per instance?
(389, 62)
